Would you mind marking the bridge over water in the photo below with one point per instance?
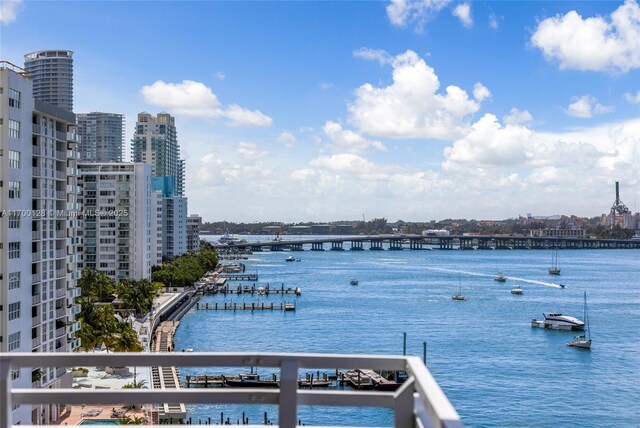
(419, 242)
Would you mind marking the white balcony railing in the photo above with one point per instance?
(419, 402)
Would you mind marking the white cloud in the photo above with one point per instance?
(220, 75)
(195, 99)
(587, 106)
(287, 138)
(632, 98)
(349, 141)
(493, 21)
(463, 13)
(516, 117)
(9, 10)
(404, 12)
(410, 107)
(594, 44)
(380, 55)
(325, 85)
(480, 92)
(489, 144)
(250, 151)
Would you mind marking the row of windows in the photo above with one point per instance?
(14, 189)
(14, 128)
(14, 311)
(14, 341)
(14, 159)
(14, 280)
(14, 250)
(14, 98)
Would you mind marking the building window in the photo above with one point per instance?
(14, 128)
(14, 250)
(14, 159)
(14, 98)
(14, 221)
(15, 374)
(14, 311)
(14, 341)
(14, 280)
(14, 189)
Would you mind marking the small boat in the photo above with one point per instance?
(188, 350)
(561, 285)
(557, 321)
(516, 290)
(554, 269)
(250, 380)
(500, 277)
(583, 341)
(354, 281)
(231, 239)
(458, 295)
(290, 259)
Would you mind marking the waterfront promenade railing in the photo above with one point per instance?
(418, 402)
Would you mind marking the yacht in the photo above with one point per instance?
(516, 290)
(500, 277)
(231, 239)
(290, 259)
(557, 321)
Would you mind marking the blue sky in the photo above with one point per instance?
(318, 111)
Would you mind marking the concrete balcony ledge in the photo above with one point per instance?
(418, 402)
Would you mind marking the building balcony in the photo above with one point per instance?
(61, 156)
(418, 401)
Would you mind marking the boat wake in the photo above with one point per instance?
(514, 278)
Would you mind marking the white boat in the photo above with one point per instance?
(290, 259)
(500, 277)
(583, 341)
(516, 290)
(458, 295)
(230, 239)
(557, 321)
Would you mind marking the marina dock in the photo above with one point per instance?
(239, 276)
(252, 289)
(253, 306)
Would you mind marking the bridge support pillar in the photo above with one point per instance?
(376, 245)
(256, 248)
(356, 246)
(415, 244)
(317, 246)
(395, 244)
(336, 246)
(296, 247)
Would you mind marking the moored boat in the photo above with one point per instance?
(583, 341)
(250, 380)
(558, 321)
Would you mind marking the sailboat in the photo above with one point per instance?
(583, 341)
(554, 269)
(458, 295)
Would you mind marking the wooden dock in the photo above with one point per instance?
(253, 306)
(239, 276)
(253, 290)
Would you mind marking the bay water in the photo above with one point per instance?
(496, 369)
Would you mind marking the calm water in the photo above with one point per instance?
(495, 368)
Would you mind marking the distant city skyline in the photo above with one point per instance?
(322, 111)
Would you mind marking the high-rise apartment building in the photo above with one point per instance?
(51, 72)
(38, 256)
(118, 213)
(194, 221)
(101, 136)
(174, 226)
(156, 142)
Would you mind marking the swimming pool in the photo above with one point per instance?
(99, 422)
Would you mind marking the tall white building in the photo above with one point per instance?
(174, 226)
(156, 142)
(101, 136)
(38, 256)
(118, 212)
(194, 221)
(51, 72)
